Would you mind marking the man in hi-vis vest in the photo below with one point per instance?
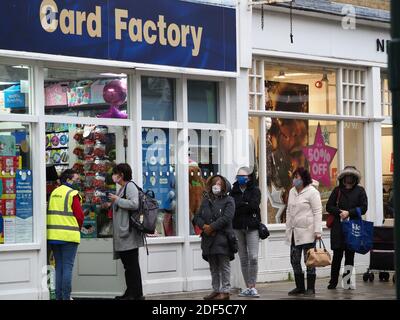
(64, 222)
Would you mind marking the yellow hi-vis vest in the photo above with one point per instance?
(61, 222)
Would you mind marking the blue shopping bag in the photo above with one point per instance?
(358, 234)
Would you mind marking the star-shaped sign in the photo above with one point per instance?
(320, 156)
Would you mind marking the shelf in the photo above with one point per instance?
(82, 106)
(56, 148)
(52, 132)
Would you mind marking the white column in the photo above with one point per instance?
(373, 149)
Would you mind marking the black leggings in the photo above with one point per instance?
(133, 277)
(337, 261)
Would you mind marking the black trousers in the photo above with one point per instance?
(133, 277)
(337, 261)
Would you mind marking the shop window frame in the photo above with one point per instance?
(341, 117)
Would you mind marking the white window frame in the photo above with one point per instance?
(359, 116)
(182, 125)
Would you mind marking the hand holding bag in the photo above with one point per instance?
(318, 257)
(358, 234)
(263, 231)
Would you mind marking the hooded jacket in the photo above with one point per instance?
(351, 200)
(218, 212)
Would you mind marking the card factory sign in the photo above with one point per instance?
(164, 32)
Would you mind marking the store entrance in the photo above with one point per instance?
(92, 151)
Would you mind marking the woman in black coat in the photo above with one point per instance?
(348, 200)
(214, 218)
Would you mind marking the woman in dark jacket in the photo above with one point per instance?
(246, 222)
(214, 218)
(348, 200)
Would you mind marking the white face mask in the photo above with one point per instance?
(216, 189)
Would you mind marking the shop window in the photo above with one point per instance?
(202, 101)
(299, 143)
(16, 190)
(14, 89)
(204, 162)
(298, 89)
(387, 171)
(256, 85)
(159, 175)
(354, 92)
(85, 94)
(386, 96)
(158, 99)
(92, 151)
(354, 147)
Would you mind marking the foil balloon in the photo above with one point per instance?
(114, 93)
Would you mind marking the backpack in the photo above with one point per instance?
(144, 219)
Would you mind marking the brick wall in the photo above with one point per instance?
(376, 4)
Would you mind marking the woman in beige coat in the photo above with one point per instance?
(303, 227)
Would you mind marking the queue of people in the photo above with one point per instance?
(229, 220)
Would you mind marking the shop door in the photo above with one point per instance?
(92, 151)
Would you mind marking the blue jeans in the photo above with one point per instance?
(64, 255)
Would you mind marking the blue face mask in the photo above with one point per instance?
(242, 180)
(297, 182)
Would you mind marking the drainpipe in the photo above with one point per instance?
(394, 69)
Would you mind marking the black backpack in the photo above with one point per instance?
(144, 219)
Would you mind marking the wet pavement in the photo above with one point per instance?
(376, 290)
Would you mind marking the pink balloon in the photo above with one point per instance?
(114, 93)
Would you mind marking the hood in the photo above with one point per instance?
(350, 170)
(315, 184)
(227, 183)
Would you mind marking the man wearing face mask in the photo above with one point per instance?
(347, 201)
(64, 222)
(214, 217)
(246, 222)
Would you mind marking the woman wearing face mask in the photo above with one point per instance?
(126, 242)
(348, 200)
(303, 227)
(214, 217)
(246, 222)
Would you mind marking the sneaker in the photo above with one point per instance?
(254, 293)
(245, 293)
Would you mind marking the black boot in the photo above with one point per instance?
(310, 284)
(123, 296)
(300, 286)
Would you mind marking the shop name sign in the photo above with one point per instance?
(72, 22)
(162, 32)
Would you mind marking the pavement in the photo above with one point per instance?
(376, 290)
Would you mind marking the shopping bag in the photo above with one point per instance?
(318, 257)
(358, 234)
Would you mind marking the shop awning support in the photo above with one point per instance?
(394, 67)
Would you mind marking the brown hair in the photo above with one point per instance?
(213, 180)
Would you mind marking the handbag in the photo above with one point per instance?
(358, 234)
(331, 218)
(263, 231)
(232, 241)
(318, 257)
